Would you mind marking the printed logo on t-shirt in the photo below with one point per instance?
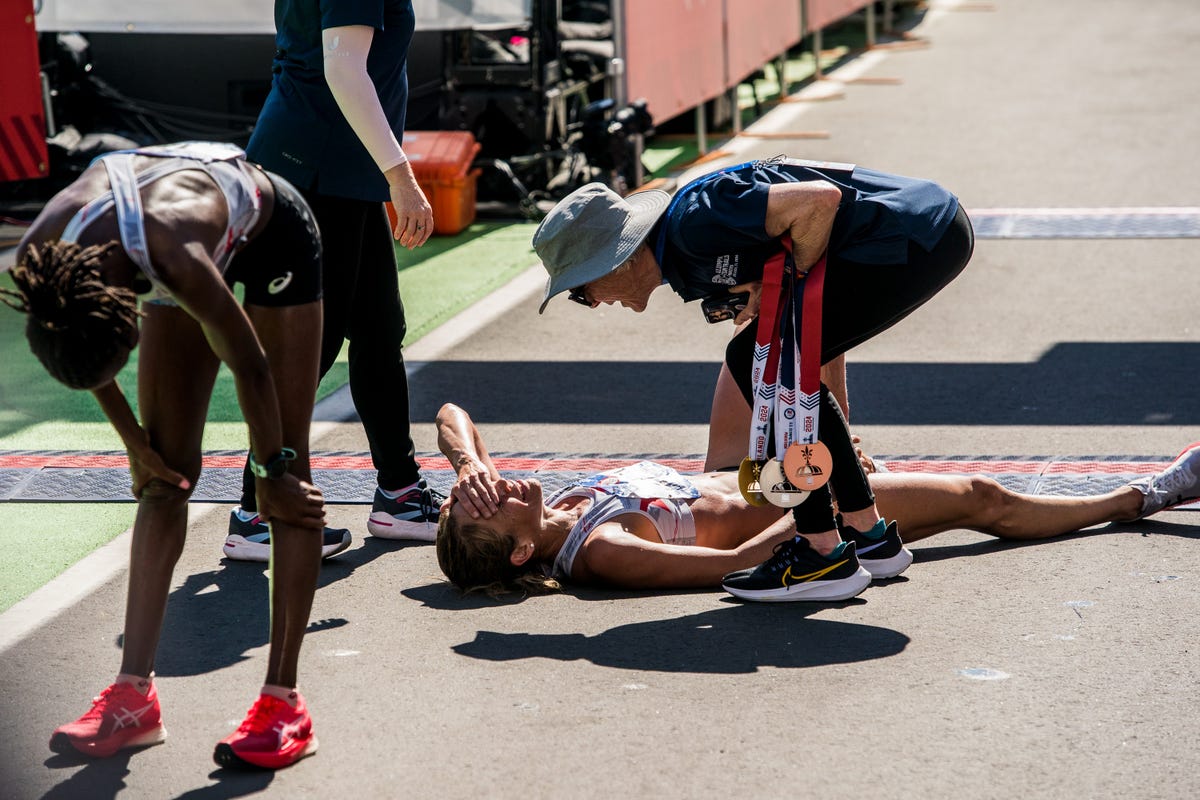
(725, 270)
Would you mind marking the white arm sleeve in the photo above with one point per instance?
(345, 56)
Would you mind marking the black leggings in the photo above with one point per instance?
(860, 301)
(362, 303)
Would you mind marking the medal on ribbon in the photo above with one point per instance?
(750, 482)
(787, 347)
(777, 489)
(808, 466)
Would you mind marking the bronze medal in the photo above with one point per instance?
(748, 482)
(808, 466)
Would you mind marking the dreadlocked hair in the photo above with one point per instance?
(475, 557)
(78, 324)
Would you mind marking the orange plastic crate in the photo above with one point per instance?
(441, 162)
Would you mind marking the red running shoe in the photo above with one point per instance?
(273, 735)
(121, 717)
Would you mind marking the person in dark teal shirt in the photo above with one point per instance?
(332, 125)
(302, 133)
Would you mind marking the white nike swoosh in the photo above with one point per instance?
(875, 546)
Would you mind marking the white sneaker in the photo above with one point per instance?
(250, 540)
(413, 515)
(1179, 483)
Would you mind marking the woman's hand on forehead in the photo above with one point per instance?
(477, 491)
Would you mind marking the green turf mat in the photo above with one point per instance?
(64, 533)
(37, 413)
(438, 286)
(436, 281)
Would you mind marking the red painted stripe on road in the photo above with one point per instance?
(549, 463)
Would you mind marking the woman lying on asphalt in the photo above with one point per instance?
(648, 527)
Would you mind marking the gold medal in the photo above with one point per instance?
(808, 466)
(776, 488)
(748, 482)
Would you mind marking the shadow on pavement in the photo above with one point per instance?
(595, 392)
(1074, 383)
(444, 596)
(993, 546)
(216, 618)
(104, 779)
(231, 783)
(97, 780)
(733, 640)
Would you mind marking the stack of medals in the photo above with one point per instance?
(791, 304)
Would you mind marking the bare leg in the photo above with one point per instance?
(176, 370)
(728, 425)
(728, 436)
(833, 375)
(928, 504)
(291, 338)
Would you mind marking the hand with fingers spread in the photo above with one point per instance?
(476, 488)
(414, 215)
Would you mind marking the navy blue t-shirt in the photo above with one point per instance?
(712, 236)
(301, 133)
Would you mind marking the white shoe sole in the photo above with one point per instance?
(61, 743)
(384, 526)
(881, 568)
(812, 592)
(239, 548)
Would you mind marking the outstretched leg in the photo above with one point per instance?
(924, 505)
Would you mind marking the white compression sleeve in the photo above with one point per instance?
(345, 56)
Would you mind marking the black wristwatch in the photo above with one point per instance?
(276, 465)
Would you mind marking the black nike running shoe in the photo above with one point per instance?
(880, 550)
(796, 572)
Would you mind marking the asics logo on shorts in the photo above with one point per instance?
(279, 284)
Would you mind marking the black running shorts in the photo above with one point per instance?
(281, 266)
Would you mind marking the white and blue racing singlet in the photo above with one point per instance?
(656, 492)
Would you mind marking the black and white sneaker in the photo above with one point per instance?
(796, 572)
(413, 515)
(880, 550)
(1179, 483)
(250, 540)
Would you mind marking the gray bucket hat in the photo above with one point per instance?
(591, 232)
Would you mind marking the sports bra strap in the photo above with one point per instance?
(124, 194)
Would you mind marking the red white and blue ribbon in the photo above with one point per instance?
(790, 304)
